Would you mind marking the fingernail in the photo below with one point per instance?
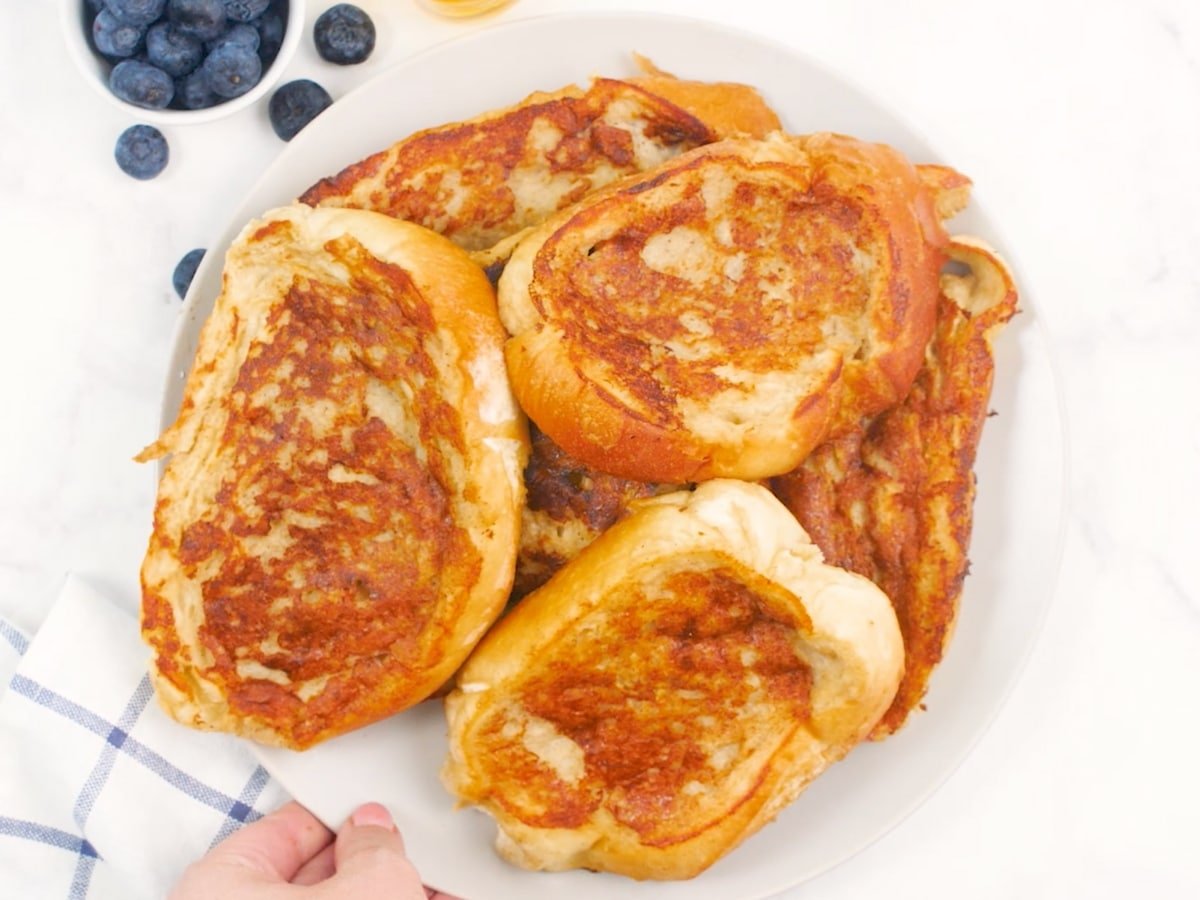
(372, 814)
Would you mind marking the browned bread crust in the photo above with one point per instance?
(567, 506)
(892, 498)
(337, 523)
(670, 690)
(487, 178)
(719, 316)
(951, 189)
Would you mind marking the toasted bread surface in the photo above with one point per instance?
(485, 179)
(671, 689)
(567, 506)
(719, 316)
(892, 499)
(337, 523)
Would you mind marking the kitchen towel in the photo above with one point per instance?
(101, 794)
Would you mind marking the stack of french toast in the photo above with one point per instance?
(633, 429)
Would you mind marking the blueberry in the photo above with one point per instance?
(171, 50)
(245, 10)
(141, 151)
(185, 271)
(295, 104)
(231, 70)
(136, 12)
(202, 19)
(141, 84)
(245, 35)
(114, 37)
(344, 34)
(192, 91)
(270, 27)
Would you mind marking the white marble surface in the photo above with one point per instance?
(1079, 120)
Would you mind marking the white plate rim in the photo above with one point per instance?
(201, 294)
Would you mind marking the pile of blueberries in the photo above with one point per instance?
(193, 54)
(186, 54)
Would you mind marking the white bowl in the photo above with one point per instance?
(74, 21)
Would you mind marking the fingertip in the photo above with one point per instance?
(374, 814)
(369, 852)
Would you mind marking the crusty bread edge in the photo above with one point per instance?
(458, 293)
(746, 522)
(552, 378)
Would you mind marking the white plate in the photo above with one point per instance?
(1019, 511)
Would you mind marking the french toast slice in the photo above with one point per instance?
(719, 316)
(484, 180)
(567, 506)
(892, 498)
(670, 690)
(337, 523)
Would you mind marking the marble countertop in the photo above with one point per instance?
(1080, 121)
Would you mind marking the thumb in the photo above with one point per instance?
(370, 859)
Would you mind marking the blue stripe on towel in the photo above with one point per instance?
(242, 812)
(56, 837)
(108, 754)
(13, 636)
(117, 737)
(83, 877)
(44, 834)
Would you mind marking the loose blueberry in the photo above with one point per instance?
(192, 91)
(245, 10)
(141, 151)
(171, 50)
(344, 34)
(294, 105)
(244, 35)
(114, 37)
(141, 84)
(202, 19)
(231, 70)
(185, 271)
(270, 27)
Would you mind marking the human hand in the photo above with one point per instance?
(290, 854)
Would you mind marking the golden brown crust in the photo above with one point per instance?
(567, 506)
(951, 189)
(718, 316)
(483, 180)
(337, 524)
(671, 690)
(730, 110)
(892, 498)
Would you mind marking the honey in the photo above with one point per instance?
(461, 9)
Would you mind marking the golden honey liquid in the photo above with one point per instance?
(460, 9)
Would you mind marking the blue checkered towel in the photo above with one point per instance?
(101, 795)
